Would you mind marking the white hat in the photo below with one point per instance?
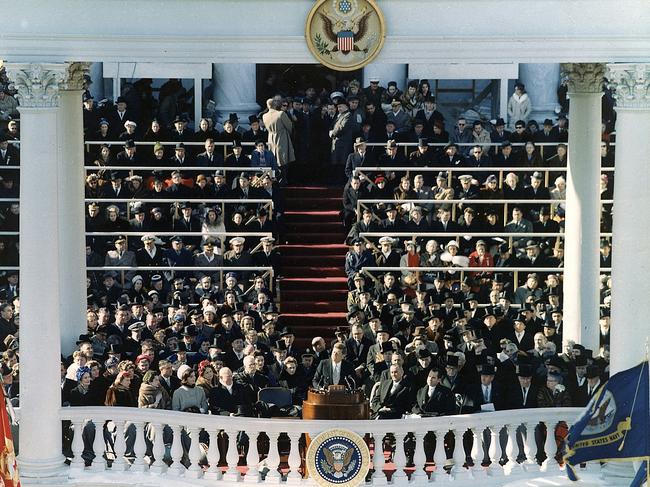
(181, 370)
(463, 177)
(237, 240)
(385, 240)
(452, 243)
(210, 309)
(148, 236)
(267, 239)
(130, 122)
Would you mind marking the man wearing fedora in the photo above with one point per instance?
(357, 158)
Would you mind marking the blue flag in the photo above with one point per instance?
(615, 423)
(641, 475)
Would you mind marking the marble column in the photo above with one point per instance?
(582, 228)
(630, 250)
(72, 243)
(97, 75)
(234, 90)
(542, 81)
(38, 90)
(385, 73)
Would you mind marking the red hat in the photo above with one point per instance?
(142, 357)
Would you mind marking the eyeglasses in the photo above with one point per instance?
(461, 124)
(519, 127)
(285, 104)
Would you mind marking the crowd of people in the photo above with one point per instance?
(417, 342)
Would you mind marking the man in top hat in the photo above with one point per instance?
(180, 132)
(488, 395)
(520, 335)
(256, 132)
(116, 189)
(187, 222)
(423, 156)
(523, 395)
(120, 114)
(499, 134)
(335, 370)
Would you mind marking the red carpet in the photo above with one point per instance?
(314, 288)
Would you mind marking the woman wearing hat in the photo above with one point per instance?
(452, 258)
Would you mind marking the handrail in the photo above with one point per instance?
(176, 199)
(171, 167)
(469, 234)
(312, 427)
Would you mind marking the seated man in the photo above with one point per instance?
(392, 397)
(335, 371)
(434, 399)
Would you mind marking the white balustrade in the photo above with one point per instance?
(136, 430)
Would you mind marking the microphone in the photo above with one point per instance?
(347, 382)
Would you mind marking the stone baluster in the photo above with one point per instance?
(176, 467)
(157, 465)
(512, 450)
(440, 456)
(379, 460)
(419, 476)
(214, 472)
(99, 447)
(550, 448)
(232, 457)
(273, 460)
(495, 469)
(400, 458)
(459, 454)
(252, 460)
(194, 471)
(294, 476)
(477, 450)
(140, 448)
(77, 464)
(119, 464)
(530, 448)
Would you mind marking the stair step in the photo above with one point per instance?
(332, 295)
(308, 272)
(314, 306)
(315, 238)
(313, 191)
(301, 249)
(312, 216)
(314, 260)
(321, 283)
(313, 227)
(326, 203)
(311, 320)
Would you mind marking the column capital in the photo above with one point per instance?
(75, 73)
(631, 84)
(37, 85)
(583, 77)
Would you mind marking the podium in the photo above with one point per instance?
(335, 403)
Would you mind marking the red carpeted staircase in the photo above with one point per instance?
(314, 289)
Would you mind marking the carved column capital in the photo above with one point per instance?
(631, 84)
(75, 75)
(583, 77)
(37, 85)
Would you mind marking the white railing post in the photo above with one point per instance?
(400, 458)
(119, 464)
(440, 457)
(495, 469)
(512, 451)
(99, 447)
(194, 471)
(252, 460)
(273, 460)
(294, 476)
(379, 460)
(176, 468)
(77, 464)
(477, 450)
(140, 448)
(419, 476)
(157, 464)
(550, 447)
(214, 471)
(232, 457)
(530, 448)
(459, 453)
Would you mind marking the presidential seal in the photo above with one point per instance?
(345, 34)
(338, 457)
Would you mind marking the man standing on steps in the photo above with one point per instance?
(279, 126)
(335, 371)
(351, 195)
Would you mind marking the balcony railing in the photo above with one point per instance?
(493, 448)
